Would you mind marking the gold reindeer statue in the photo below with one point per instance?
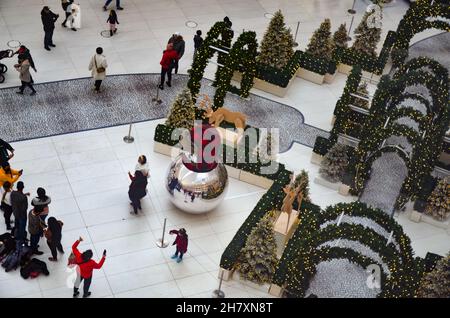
(292, 193)
(215, 118)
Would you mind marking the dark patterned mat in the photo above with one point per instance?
(72, 106)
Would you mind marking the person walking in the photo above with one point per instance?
(137, 190)
(9, 175)
(167, 62)
(64, 5)
(5, 206)
(43, 200)
(181, 243)
(198, 40)
(35, 228)
(85, 268)
(25, 53)
(48, 20)
(6, 153)
(178, 46)
(19, 204)
(23, 67)
(112, 20)
(73, 19)
(142, 166)
(53, 235)
(98, 66)
(118, 7)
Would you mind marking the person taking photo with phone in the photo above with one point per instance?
(85, 268)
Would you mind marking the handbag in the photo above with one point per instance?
(99, 69)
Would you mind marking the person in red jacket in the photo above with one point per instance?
(85, 267)
(167, 62)
(181, 242)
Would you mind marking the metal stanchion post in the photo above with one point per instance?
(160, 243)
(296, 32)
(218, 293)
(129, 139)
(156, 99)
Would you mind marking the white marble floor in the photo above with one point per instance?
(85, 173)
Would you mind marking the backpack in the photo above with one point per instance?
(12, 261)
(33, 269)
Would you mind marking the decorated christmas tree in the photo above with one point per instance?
(340, 37)
(436, 284)
(334, 164)
(277, 44)
(368, 33)
(363, 92)
(439, 201)
(305, 188)
(258, 258)
(182, 112)
(321, 44)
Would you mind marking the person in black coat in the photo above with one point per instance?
(138, 190)
(178, 46)
(198, 40)
(4, 155)
(48, 21)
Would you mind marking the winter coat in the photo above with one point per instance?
(24, 71)
(85, 268)
(33, 268)
(19, 203)
(10, 177)
(35, 223)
(4, 147)
(48, 20)
(37, 202)
(181, 241)
(101, 62)
(178, 46)
(138, 187)
(167, 58)
(198, 40)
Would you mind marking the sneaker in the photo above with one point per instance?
(87, 295)
(168, 84)
(173, 256)
(160, 86)
(51, 259)
(179, 260)
(75, 294)
(119, 8)
(73, 29)
(33, 93)
(52, 45)
(19, 92)
(47, 48)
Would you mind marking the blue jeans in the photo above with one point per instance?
(109, 1)
(20, 225)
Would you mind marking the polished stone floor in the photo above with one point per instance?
(85, 173)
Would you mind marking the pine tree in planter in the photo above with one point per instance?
(367, 34)
(436, 284)
(182, 112)
(258, 259)
(439, 201)
(305, 188)
(340, 37)
(334, 164)
(321, 45)
(277, 44)
(363, 92)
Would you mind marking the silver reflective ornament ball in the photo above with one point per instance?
(196, 192)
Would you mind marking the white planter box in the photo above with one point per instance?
(311, 76)
(265, 86)
(233, 172)
(344, 190)
(344, 68)
(329, 78)
(255, 180)
(276, 290)
(162, 148)
(328, 184)
(415, 216)
(422, 217)
(264, 287)
(316, 158)
(333, 120)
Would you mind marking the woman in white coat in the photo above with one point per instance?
(73, 19)
(98, 66)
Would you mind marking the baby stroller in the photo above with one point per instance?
(3, 67)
